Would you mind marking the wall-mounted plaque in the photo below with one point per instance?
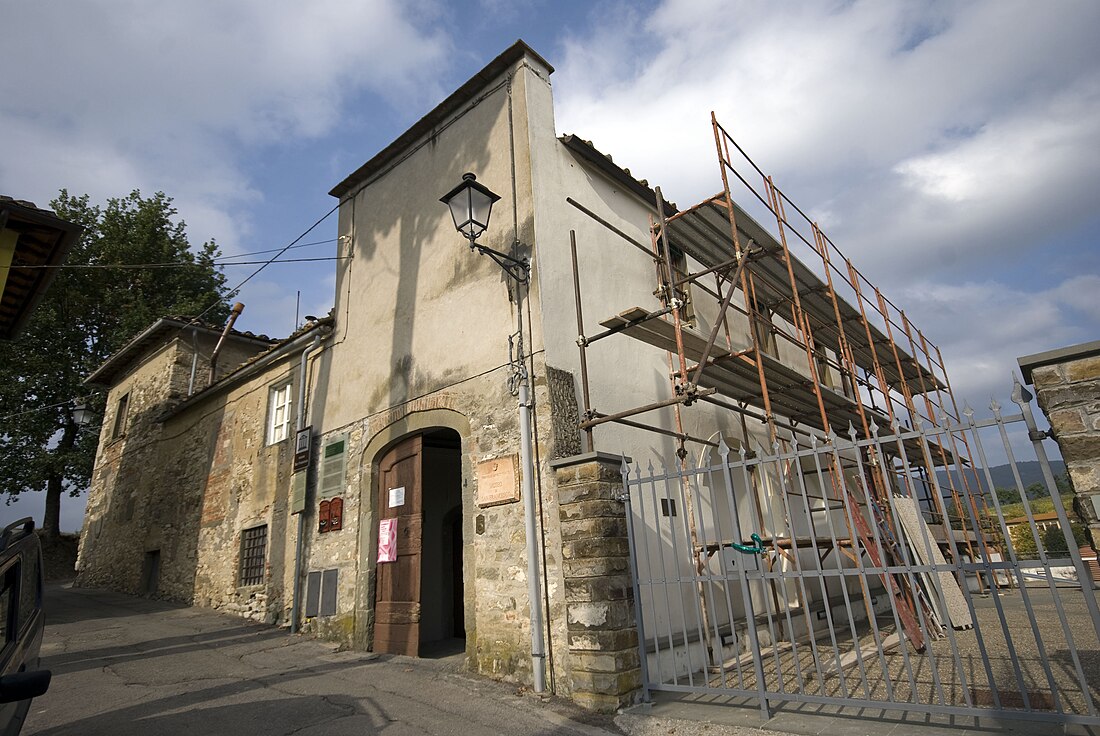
(498, 481)
(298, 493)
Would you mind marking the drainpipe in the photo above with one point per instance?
(233, 314)
(527, 490)
(538, 646)
(299, 550)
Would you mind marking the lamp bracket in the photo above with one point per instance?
(518, 269)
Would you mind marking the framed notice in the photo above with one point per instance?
(497, 481)
(387, 540)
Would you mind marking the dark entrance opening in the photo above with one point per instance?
(442, 625)
(150, 573)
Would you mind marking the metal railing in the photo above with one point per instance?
(782, 574)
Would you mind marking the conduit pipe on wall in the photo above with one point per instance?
(194, 359)
(233, 314)
(299, 549)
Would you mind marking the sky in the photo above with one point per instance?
(951, 149)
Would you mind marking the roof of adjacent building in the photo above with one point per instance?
(244, 370)
(607, 166)
(154, 336)
(43, 239)
(438, 115)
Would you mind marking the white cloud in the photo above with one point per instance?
(940, 144)
(172, 96)
(983, 326)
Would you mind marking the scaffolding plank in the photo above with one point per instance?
(735, 376)
(662, 334)
(702, 232)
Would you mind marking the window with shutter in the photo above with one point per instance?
(278, 424)
(333, 464)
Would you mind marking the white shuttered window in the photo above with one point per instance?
(278, 425)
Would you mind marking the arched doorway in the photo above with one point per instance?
(419, 593)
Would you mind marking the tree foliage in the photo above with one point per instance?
(87, 315)
(1051, 537)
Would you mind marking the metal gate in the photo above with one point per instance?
(776, 574)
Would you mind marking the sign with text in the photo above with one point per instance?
(497, 481)
(301, 449)
(397, 497)
(387, 540)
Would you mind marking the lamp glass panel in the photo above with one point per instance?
(480, 207)
(457, 206)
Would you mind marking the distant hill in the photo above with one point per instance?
(1030, 472)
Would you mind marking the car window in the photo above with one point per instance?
(9, 580)
(5, 607)
(29, 594)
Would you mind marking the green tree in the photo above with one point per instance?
(1023, 542)
(88, 314)
(1054, 540)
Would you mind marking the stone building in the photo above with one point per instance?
(406, 389)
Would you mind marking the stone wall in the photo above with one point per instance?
(497, 613)
(175, 493)
(1067, 383)
(603, 635)
(124, 516)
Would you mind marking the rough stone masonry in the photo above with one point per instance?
(1067, 382)
(603, 637)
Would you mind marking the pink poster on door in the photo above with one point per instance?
(387, 540)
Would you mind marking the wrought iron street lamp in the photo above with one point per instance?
(471, 204)
(82, 415)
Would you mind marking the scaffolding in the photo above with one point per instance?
(805, 344)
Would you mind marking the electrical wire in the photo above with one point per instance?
(236, 289)
(274, 250)
(36, 409)
(180, 265)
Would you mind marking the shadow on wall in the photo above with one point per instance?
(142, 537)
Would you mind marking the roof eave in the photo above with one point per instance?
(613, 171)
(69, 231)
(439, 113)
(102, 376)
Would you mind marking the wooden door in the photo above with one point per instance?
(397, 593)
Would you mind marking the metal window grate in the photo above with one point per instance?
(253, 551)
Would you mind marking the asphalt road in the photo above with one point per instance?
(126, 665)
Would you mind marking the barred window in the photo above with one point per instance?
(253, 551)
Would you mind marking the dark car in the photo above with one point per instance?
(22, 624)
